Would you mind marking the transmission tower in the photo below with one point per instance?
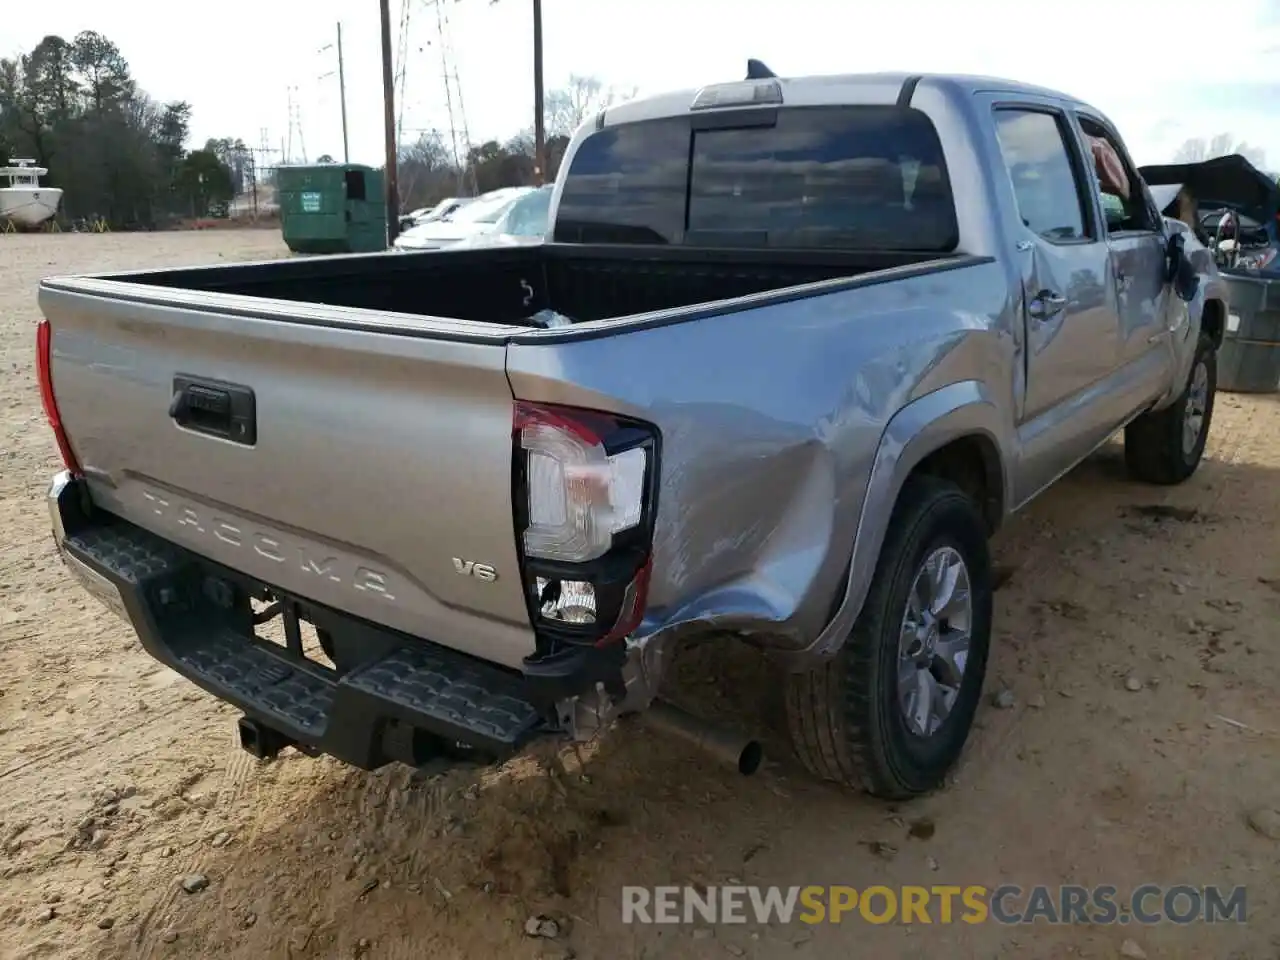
(287, 146)
(447, 57)
(262, 159)
(402, 59)
(450, 82)
(295, 123)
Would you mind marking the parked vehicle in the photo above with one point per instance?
(479, 216)
(1238, 209)
(827, 335)
(1234, 209)
(22, 199)
(444, 208)
(526, 221)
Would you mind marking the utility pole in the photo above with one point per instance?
(342, 92)
(389, 125)
(539, 126)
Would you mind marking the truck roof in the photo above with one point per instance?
(834, 90)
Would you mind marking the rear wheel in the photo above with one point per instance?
(892, 711)
(1166, 446)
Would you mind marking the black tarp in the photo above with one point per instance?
(1230, 180)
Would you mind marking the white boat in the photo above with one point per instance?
(22, 199)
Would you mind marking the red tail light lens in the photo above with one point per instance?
(44, 373)
(585, 489)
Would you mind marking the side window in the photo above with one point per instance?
(1123, 202)
(1034, 146)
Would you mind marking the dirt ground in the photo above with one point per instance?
(1137, 632)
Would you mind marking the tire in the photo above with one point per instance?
(845, 718)
(1155, 450)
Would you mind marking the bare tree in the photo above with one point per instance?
(1224, 144)
(427, 171)
(578, 100)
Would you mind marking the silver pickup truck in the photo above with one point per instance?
(811, 341)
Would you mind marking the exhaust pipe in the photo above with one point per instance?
(726, 746)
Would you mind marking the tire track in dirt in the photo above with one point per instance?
(67, 748)
(1042, 561)
(235, 782)
(1030, 549)
(103, 733)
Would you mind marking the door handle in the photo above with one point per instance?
(214, 408)
(1046, 304)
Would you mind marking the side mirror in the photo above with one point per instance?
(1180, 271)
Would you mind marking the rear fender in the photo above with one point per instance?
(920, 428)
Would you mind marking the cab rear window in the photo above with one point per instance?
(843, 178)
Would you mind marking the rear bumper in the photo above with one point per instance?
(397, 697)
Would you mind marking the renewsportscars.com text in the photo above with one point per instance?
(939, 903)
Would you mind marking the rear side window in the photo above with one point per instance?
(627, 185)
(1124, 204)
(1049, 195)
(843, 178)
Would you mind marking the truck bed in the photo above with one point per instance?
(505, 286)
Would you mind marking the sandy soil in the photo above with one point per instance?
(118, 779)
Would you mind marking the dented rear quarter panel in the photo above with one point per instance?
(772, 420)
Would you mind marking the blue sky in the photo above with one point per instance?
(1125, 56)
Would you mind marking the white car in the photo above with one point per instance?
(479, 216)
(524, 223)
(444, 208)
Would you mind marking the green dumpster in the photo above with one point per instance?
(1249, 361)
(332, 208)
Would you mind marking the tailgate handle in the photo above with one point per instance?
(215, 408)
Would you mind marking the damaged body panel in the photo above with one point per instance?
(764, 491)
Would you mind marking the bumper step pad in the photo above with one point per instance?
(418, 685)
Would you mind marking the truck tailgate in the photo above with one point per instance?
(379, 478)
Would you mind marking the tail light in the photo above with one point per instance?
(44, 373)
(585, 498)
